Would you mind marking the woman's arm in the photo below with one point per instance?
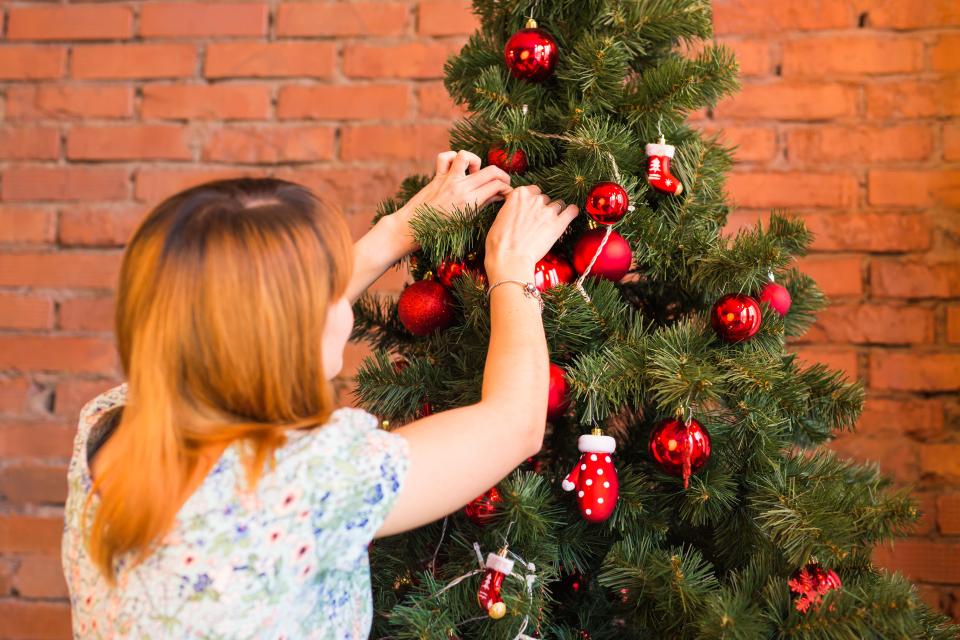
(456, 455)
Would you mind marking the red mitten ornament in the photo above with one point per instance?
(659, 154)
(594, 477)
(498, 567)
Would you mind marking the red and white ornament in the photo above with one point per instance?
(424, 307)
(659, 154)
(615, 257)
(810, 582)
(515, 163)
(558, 395)
(607, 202)
(594, 477)
(680, 447)
(550, 271)
(777, 296)
(497, 567)
(531, 53)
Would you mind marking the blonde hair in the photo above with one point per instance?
(221, 306)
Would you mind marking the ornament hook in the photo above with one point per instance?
(660, 138)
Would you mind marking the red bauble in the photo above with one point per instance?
(558, 398)
(531, 53)
(735, 317)
(515, 163)
(777, 297)
(607, 202)
(594, 477)
(551, 271)
(612, 263)
(810, 582)
(482, 508)
(424, 307)
(679, 449)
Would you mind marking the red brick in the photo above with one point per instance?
(912, 15)
(913, 187)
(923, 560)
(153, 185)
(915, 417)
(897, 456)
(29, 143)
(915, 371)
(405, 60)
(206, 102)
(21, 183)
(31, 63)
(42, 576)
(756, 189)
(953, 324)
(945, 54)
(873, 324)
(948, 514)
(262, 145)
(434, 102)
(58, 353)
(33, 484)
(23, 225)
(135, 142)
(914, 98)
(836, 358)
(13, 394)
(131, 61)
(254, 59)
(951, 142)
(86, 314)
(169, 19)
(101, 226)
(29, 534)
(927, 507)
(342, 19)
(744, 16)
(35, 620)
(789, 101)
(893, 278)
(867, 231)
(7, 569)
(941, 461)
(446, 18)
(73, 393)
(73, 269)
(344, 102)
(836, 275)
(34, 102)
(19, 311)
(36, 439)
(852, 54)
(70, 22)
(393, 142)
(753, 144)
(359, 187)
(841, 144)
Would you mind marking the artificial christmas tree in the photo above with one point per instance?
(745, 526)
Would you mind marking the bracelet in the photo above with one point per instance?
(529, 290)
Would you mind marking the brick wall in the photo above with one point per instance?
(849, 116)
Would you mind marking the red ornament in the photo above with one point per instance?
(735, 317)
(777, 297)
(612, 263)
(515, 163)
(424, 307)
(680, 449)
(809, 584)
(594, 477)
(550, 271)
(498, 567)
(607, 202)
(482, 508)
(558, 395)
(659, 155)
(531, 53)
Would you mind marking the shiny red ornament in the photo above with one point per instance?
(680, 449)
(531, 53)
(777, 297)
(607, 202)
(497, 567)
(659, 155)
(550, 271)
(425, 307)
(809, 584)
(735, 317)
(516, 163)
(613, 262)
(482, 508)
(594, 477)
(558, 395)
(449, 270)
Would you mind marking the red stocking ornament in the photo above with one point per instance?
(659, 154)
(498, 567)
(594, 477)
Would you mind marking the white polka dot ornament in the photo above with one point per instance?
(594, 477)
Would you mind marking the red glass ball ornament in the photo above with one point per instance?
(558, 397)
(424, 307)
(550, 271)
(531, 54)
(482, 508)
(735, 317)
(607, 202)
(516, 163)
(777, 297)
(810, 582)
(680, 449)
(612, 263)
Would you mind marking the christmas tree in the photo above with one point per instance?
(683, 490)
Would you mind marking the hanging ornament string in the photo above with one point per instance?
(443, 533)
(579, 283)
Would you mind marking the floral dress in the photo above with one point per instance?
(287, 560)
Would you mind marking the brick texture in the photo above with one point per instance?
(848, 117)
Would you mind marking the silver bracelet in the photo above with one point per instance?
(529, 290)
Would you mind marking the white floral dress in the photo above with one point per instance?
(288, 560)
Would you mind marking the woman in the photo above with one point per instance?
(218, 493)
